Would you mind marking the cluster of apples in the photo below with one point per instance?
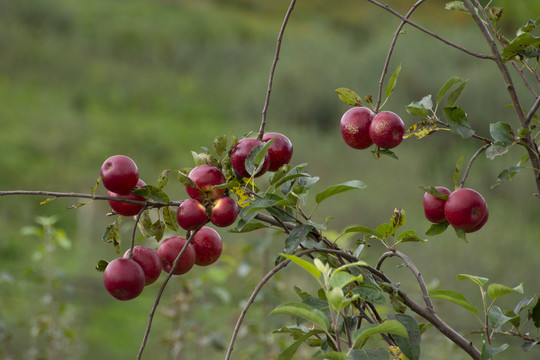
(361, 128)
(463, 208)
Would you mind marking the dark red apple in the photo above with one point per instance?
(124, 208)
(224, 212)
(241, 152)
(208, 246)
(386, 130)
(465, 209)
(148, 260)
(124, 279)
(119, 174)
(168, 251)
(280, 151)
(205, 177)
(355, 127)
(434, 207)
(191, 214)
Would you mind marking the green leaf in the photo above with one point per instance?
(152, 193)
(336, 298)
(436, 229)
(370, 354)
(453, 297)
(185, 180)
(341, 279)
(489, 351)
(220, 144)
(248, 227)
(410, 236)
(410, 345)
(303, 311)
(456, 6)
(495, 13)
(256, 157)
(333, 355)
(461, 234)
(495, 150)
(365, 230)
(337, 189)
(433, 191)
(422, 129)
(528, 27)
(502, 132)
(290, 350)
(349, 97)
(497, 318)
(370, 294)
(477, 279)
(535, 313)
(457, 120)
(101, 265)
(309, 267)
(450, 82)
(507, 174)
(454, 96)
(519, 45)
(392, 82)
(163, 178)
(498, 290)
(457, 170)
(523, 304)
(377, 153)
(112, 234)
(393, 327)
(296, 236)
(169, 217)
(420, 108)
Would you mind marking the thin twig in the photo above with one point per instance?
(414, 269)
(448, 42)
(390, 51)
(525, 81)
(134, 232)
(469, 165)
(160, 293)
(533, 111)
(273, 68)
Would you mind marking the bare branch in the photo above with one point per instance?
(469, 165)
(273, 68)
(533, 111)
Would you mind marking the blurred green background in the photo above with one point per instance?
(156, 79)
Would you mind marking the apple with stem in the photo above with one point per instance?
(280, 151)
(466, 209)
(208, 246)
(354, 125)
(386, 130)
(168, 251)
(205, 178)
(119, 174)
(191, 214)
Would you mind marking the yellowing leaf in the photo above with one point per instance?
(396, 353)
(244, 199)
(422, 129)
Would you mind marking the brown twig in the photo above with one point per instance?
(391, 50)
(469, 165)
(273, 68)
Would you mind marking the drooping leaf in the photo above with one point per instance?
(457, 170)
(303, 311)
(502, 132)
(495, 150)
(457, 120)
(507, 174)
(392, 82)
(498, 290)
(535, 313)
(152, 193)
(410, 236)
(422, 129)
(380, 151)
(337, 189)
(163, 178)
(523, 304)
(349, 97)
(453, 297)
(497, 318)
(410, 345)
(433, 191)
(296, 236)
(393, 327)
(184, 179)
(48, 200)
(476, 279)
(306, 265)
(461, 234)
(489, 351)
(112, 233)
(436, 229)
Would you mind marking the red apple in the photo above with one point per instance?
(168, 251)
(355, 124)
(224, 212)
(280, 151)
(465, 209)
(386, 130)
(124, 208)
(191, 214)
(208, 246)
(148, 260)
(119, 174)
(434, 207)
(124, 279)
(205, 177)
(241, 152)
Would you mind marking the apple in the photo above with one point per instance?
(434, 207)
(224, 212)
(148, 260)
(119, 174)
(205, 177)
(355, 124)
(208, 246)
(241, 152)
(168, 251)
(386, 130)
(280, 152)
(191, 214)
(466, 209)
(124, 208)
(124, 279)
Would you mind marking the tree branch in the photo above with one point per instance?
(469, 165)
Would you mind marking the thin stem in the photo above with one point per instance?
(525, 81)
(414, 269)
(160, 293)
(531, 112)
(459, 47)
(133, 233)
(391, 50)
(469, 165)
(273, 68)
